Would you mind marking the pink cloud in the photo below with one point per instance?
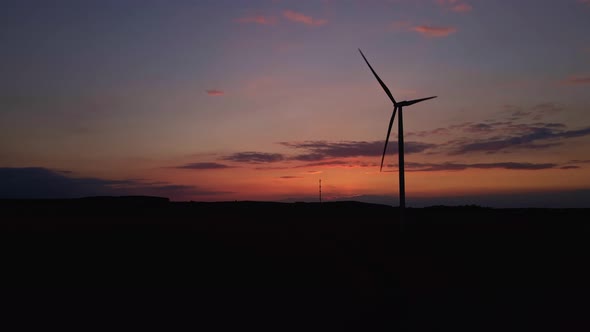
(586, 2)
(456, 5)
(434, 31)
(258, 19)
(577, 80)
(215, 92)
(302, 18)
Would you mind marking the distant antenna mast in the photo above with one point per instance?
(320, 190)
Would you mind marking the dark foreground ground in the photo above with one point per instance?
(131, 263)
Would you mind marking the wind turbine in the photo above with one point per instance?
(400, 134)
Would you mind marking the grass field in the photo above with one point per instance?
(330, 266)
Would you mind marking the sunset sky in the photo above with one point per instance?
(258, 100)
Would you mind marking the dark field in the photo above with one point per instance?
(301, 266)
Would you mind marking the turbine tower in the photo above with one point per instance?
(400, 134)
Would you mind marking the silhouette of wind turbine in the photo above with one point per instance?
(400, 133)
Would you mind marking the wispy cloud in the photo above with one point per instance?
(203, 166)
(570, 167)
(289, 177)
(215, 92)
(577, 80)
(439, 167)
(434, 31)
(254, 157)
(425, 30)
(579, 161)
(338, 163)
(585, 2)
(519, 128)
(462, 8)
(527, 137)
(319, 150)
(455, 5)
(258, 19)
(543, 109)
(327, 163)
(428, 133)
(302, 18)
(491, 136)
(434, 167)
(535, 112)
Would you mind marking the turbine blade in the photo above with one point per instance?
(379, 79)
(412, 102)
(387, 137)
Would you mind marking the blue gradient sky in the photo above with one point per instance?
(224, 98)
